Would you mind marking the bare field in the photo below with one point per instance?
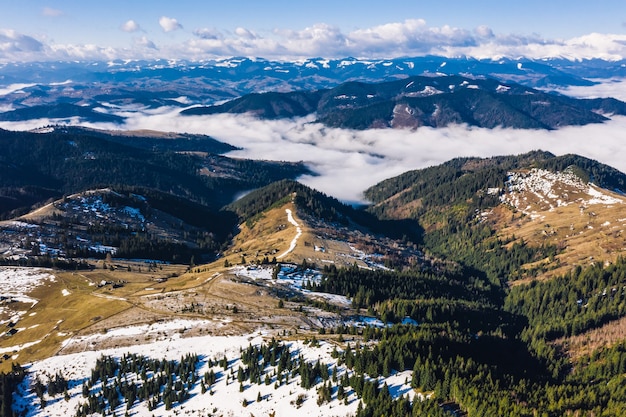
(61, 308)
(271, 235)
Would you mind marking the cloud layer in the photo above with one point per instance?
(350, 161)
(412, 37)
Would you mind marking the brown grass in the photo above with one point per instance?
(148, 294)
(583, 235)
(55, 317)
(602, 337)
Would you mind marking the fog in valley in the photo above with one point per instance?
(348, 161)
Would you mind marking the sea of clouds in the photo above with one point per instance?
(347, 161)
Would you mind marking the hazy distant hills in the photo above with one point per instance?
(59, 111)
(100, 91)
(425, 101)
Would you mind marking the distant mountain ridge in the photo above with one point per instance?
(132, 85)
(59, 111)
(435, 101)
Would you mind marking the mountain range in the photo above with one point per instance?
(108, 89)
(435, 101)
(474, 287)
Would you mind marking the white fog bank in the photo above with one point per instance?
(347, 161)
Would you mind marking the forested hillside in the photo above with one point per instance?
(320, 206)
(415, 101)
(37, 166)
(447, 201)
(484, 348)
(488, 351)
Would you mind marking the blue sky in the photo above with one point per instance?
(34, 29)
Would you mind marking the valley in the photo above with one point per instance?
(282, 278)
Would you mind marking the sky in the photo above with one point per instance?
(279, 29)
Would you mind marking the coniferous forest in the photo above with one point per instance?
(478, 342)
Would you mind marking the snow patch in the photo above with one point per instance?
(224, 397)
(294, 242)
(16, 283)
(552, 189)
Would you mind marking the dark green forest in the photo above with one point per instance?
(486, 350)
(36, 166)
(319, 206)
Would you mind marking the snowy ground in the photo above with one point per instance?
(296, 278)
(292, 276)
(164, 340)
(224, 397)
(16, 283)
(294, 241)
(552, 189)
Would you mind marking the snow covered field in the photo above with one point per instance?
(16, 283)
(164, 340)
(293, 277)
(553, 189)
(224, 397)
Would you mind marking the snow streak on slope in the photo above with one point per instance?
(294, 242)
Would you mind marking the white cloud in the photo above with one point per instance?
(245, 33)
(615, 88)
(11, 41)
(169, 24)
(145, 42)
(50, 12)
(350, 161)
(130, 26)
(484, 31)
(207, 33)
(11, 88)
(412, 37)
